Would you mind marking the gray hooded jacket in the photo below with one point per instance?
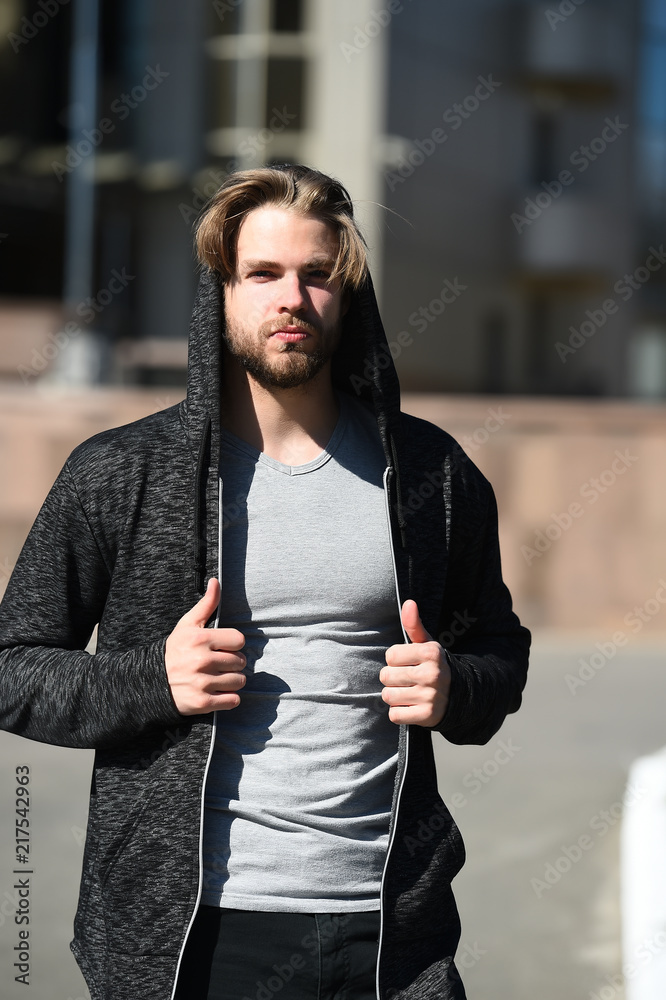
(126, 540)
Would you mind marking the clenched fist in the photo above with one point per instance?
(204, 665)
(417, 676)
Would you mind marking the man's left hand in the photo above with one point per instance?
(417, 676)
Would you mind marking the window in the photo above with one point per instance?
(225, 16)
(284, 90)
(287, 15)
(222, 93)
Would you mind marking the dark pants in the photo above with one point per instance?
(247, 955)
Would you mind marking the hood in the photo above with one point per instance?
(362, 366)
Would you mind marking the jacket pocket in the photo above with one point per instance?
(148, 884)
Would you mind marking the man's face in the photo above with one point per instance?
(283, 318)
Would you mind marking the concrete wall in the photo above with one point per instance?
(580, 488)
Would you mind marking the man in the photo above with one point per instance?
(262, 785)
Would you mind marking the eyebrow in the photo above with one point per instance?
(314, 263)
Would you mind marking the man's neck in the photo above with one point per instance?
(293, 426)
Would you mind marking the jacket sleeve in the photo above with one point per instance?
(488, 653)
(51, 689)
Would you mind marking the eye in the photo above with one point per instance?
(320, 273)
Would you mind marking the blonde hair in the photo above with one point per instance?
(294, 187)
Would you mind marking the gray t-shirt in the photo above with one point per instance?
(299, 791)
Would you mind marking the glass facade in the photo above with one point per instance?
(243, 86)
(257, 68)
(647, 349)
(652, 109)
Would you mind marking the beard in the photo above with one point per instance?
(294, 366)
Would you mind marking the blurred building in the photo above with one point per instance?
(528, 198)
(507, 160)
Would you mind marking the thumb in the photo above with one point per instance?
(207, 606)
(412, 624)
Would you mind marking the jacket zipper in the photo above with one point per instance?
(220, 521)
(387, 474)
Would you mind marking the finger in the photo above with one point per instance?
(410, 654)
(205, 608)
(224, 682)
(215, 663)
(222, 703)
(208, 693)
(404, 696)
(411, 622)
(397, 676)
(414, 707)
(224, 639)
(205, 703)
(414, 715)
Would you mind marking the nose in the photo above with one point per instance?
(292, 295)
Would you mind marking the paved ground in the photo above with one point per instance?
(555, 774)
(557, 936)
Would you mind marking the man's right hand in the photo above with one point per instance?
(203, 664)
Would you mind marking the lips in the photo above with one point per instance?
(290, 334)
